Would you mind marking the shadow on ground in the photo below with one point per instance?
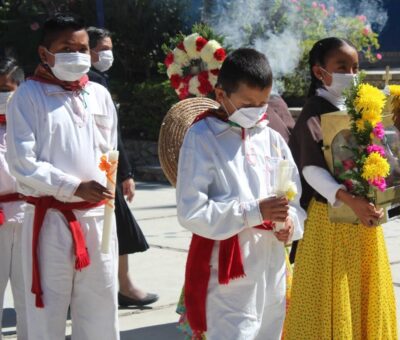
(152, 185)
(9, 320)
(159, 332)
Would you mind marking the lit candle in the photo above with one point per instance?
(109, 207)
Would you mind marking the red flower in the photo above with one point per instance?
(220, 54)
(205, 87)
(187, 79)
(215, 72)
(181, 46)
(183, 92)
(200, 43)
(169, 59)
(203, 76)
(348, 183)
(176, 81)
(348, 164)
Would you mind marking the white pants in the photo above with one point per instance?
(252, 307)
(11, 269)
(91, 293)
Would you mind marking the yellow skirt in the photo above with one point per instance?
(342, 285)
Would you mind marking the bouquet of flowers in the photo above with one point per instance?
(368, 166)
(193, 62)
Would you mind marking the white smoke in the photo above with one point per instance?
(252, 23)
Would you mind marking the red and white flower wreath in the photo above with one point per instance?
(193, 66)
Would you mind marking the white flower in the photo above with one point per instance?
(207, 53)
(214, 64)
(180, 57)
(190, 46)
(212, 79)
(194, 86)
(174, 69)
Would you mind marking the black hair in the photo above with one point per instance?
(318, 55)
(57, 24)
(97, 34)
(244, 65)
(10, 68)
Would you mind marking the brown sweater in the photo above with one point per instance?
(306, 143)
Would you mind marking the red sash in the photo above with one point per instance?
(42, 204)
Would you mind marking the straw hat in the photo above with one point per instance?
(175, 124)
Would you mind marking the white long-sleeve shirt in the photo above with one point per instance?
(219, 186)
(55, 138)
(13, 211)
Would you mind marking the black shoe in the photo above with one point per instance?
(126, 301)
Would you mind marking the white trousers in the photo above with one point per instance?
(90, 293)
(252, 307)
(11, 269)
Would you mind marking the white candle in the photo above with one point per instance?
(285, 172)
(109, 207)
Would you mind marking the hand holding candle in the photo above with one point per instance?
(110, 167)
(284, 186)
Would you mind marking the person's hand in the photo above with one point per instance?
(274, 209)
(128, 188)
(365, 210)
(285, 234)
(93, 192)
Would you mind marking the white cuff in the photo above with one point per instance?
(251, 213)
(68, 187)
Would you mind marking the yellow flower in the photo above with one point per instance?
(370, 102)
(291, 192)
(360, 124)
(375, 166)
(394, 90)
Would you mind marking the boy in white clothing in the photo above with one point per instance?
(11, 207)
(59, 126)
(235, 274)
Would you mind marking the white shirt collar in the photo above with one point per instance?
(339, 102)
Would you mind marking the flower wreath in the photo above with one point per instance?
(370, 168)
(193, 66)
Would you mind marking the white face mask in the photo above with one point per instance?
(247, 117)
(4, 98)
(340, 83)
(70, 66)
(106, 60)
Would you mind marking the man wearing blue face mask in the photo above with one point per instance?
(59, 126)
(130, 237)
(235, 272)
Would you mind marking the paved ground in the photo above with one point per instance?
(161, 268)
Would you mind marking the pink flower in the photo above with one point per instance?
(331, 9)
(306, 22)
(314, 5)
(34, 26)
(379, 131)
(294, 1)
(366, 31)
(299, 8)
(322, 6)
(376, 148)
(379, 56)
(379, 183)
(362, 18)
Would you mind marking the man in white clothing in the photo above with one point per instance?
(59, 126)
(11, 207)
(235, 275)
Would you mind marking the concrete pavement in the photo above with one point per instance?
(161, 268)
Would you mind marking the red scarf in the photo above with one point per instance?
(3, 119)
(42, 204)
(43, 74)
(197, 275)
(7, 198)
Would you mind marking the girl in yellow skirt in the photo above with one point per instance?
(342, 284)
